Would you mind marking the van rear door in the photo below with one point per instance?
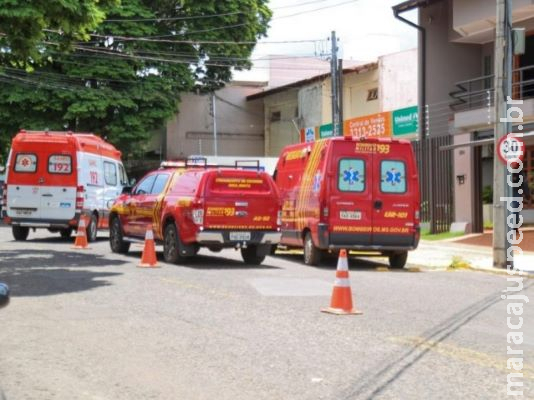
(58, 184)
(395, 196)
(350, 201)
(23, 190)
(240, 201)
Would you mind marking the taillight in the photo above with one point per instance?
(279, 218)
(417, 215)
(79, 198)
(198, 216)
(325, 212)
(4, 196)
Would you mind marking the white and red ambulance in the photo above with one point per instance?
(54, 177)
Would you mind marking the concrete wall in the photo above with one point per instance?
(398, 86)
(463, 194)
(311, 103)
(239, 125)
(446, 63)
(278, 134)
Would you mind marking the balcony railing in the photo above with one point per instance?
(479, 92)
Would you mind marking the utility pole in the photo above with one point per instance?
(340, 95)
(334, 85)
(214, 114)
(503, 88)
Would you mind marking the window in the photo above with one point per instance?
(110, 173)
(145, 186)
(276, 116)
(351, 175)
(393, 177)
(25, 162)
(59, 164)
(123, 176)
(159, 184)
(372, 94)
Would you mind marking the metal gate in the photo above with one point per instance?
(436, 181)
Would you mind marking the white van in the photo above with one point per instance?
(54, 177)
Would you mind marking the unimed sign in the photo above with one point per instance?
(405, 121)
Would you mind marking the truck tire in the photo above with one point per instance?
(20, 233)
(65, 233)
(250, 255)
(171, 245)
(312, 255)
(92, 228)
(398, 260)
(116, 240)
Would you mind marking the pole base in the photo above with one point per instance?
(340, 311)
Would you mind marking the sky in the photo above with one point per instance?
(366, 28)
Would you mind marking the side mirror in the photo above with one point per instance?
(127, 190)
(4, 295)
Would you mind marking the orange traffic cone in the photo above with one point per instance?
(80, 243)
(148, 258)
(341, 302)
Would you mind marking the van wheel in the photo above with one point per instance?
(312, 255)
(398, 260)
(171, 245)
(250, 255)
(116, 241)
(20, 232)
(65, 233)
(92, 228)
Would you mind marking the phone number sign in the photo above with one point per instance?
(375, 125)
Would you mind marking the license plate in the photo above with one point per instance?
(354, 215)
(239, 236)
(23, 212)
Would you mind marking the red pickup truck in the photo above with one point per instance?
(192, 207)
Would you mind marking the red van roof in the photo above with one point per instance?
(87, 142)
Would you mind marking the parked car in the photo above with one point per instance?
(350, 193)
(54, 177)
(198, 206)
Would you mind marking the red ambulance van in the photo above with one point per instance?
(54, 177)
(351, 193)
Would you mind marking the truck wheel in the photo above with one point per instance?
(312, 255)
(20, 233)
(92, 228)
(250, 255)
(398, 260)
(171, 245)
(116, 241)
(65, 233)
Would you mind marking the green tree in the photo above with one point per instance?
(127, 79)
(23, 23)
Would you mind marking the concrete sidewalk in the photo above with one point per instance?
(441, 254)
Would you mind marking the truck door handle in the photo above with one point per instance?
(47, 195)
(378, 204)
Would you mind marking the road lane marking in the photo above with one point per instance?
(204, 289)
(461, 353)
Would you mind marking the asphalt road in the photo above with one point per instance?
(90, 325)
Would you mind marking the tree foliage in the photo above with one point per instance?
(127, 79)
(23, 23)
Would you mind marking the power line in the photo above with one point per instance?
(315, 9)
(156, 19)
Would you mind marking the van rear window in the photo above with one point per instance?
(59, 164)
(393, 177)
(351, 176)
(25, 162)
(229, 183)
